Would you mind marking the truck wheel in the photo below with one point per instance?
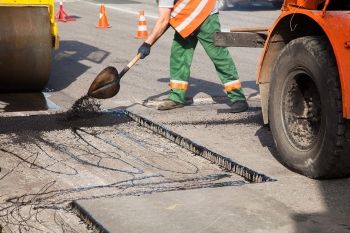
(305, 110)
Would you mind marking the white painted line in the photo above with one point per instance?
(123, 10)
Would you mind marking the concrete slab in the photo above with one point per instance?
(229, 209)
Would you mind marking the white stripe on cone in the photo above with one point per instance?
(142, 28)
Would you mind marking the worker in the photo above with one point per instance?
(193, 21)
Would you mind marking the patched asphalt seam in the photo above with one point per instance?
(224, 162)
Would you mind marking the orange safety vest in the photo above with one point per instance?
(188, 15)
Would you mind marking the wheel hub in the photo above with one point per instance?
(301, 111)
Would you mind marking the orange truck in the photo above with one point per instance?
(304, 81)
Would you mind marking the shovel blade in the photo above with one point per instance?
(106, 84)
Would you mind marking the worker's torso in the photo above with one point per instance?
(188, 15)
(171, 3)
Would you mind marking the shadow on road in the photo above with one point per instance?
(334, 194)
(20, 102)
(254, 7)
(336, 218)
(253, 86)
(67, 66)
(59, 121)
(197, 86)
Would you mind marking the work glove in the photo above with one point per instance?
(145, 50)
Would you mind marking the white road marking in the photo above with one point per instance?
(133, 12)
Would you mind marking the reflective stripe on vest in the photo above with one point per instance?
(233, 85)
(179, 85)
(188, 15)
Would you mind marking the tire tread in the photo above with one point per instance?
(338, 161)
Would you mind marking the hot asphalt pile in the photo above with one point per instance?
(83, 107)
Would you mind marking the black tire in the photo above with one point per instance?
(305, 110)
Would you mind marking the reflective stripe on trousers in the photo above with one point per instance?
(182, 54)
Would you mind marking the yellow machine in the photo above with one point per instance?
(28, 34)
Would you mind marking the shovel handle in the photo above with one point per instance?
(131, 63)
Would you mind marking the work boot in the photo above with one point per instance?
(168, 104)
(239, 106)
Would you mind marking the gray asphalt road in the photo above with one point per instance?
(47, 164)
(85, 50)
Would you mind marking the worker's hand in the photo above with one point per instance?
(145, 50)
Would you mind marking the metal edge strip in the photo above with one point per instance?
(224, 162)
(87, 218)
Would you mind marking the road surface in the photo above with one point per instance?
(105, 172)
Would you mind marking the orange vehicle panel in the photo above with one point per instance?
(336, 25)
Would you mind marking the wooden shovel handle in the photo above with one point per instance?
(131, 63)
(134, 60)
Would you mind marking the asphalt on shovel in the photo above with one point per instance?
(107, 82)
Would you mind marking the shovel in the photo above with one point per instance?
(106, 84)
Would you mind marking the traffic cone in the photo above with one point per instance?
(62, 16)
(103, 21)
(142, 32)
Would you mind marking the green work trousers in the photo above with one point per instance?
(182, 54)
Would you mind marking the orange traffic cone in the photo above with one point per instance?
(62, 16)
(142, 32)
(103, 21)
